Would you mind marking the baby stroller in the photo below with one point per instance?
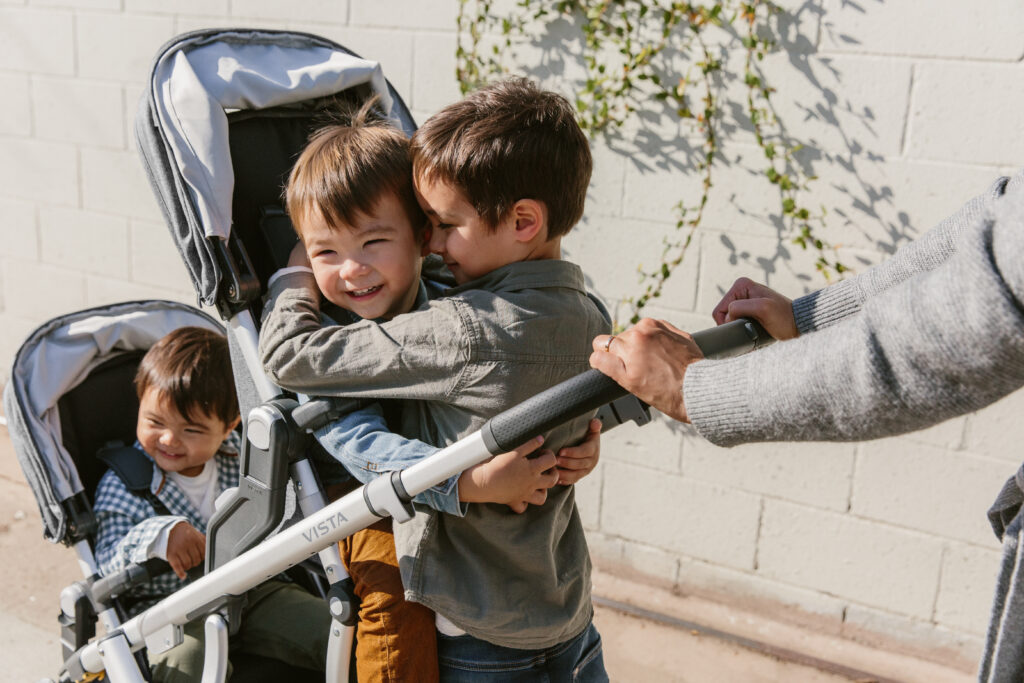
(225, 115)
(69, 400)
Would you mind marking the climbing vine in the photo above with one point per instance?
(675, 57)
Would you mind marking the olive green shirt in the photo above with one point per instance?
(519, 581)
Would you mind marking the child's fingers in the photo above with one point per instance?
(176, 566)
(569, 477)
(518, 508)
(529, 447)
(538, 497)
(543, 461)
(549, 478)
(575, 462)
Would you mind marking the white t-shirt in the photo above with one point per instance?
(201, 491)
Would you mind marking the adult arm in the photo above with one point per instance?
(832, 304)
(940, 343)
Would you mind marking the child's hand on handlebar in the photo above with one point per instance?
(748, 299)
(512, 478)
(576, 462)
(186, 548)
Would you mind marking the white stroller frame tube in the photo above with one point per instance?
(321, 530)
(360, 508)
(310, 499)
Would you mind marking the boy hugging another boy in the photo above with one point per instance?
(502, 175)
(187, 411)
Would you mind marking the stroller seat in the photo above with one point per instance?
(72, 393)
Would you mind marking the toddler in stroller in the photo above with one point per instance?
(187, 414)
(69, 403)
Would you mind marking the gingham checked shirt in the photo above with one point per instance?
(129, 524)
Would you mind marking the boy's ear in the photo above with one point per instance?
(531, 218)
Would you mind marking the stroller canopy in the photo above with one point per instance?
(56, 358)
(182, 126)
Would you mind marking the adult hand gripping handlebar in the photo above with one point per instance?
(593, 389)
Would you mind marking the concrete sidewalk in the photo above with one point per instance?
(650, 636)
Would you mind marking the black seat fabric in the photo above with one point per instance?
(101, 409)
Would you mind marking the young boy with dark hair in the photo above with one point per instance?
(187, 413)
(351, 198)
(511, 592)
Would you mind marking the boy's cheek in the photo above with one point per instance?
(324, 285)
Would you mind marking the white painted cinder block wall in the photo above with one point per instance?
(910, 110)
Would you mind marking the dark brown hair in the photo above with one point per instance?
(506, 142)
(191, 368)
(347, 167)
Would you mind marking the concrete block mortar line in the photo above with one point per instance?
(874, 521)
(757, 538)
(74, 43)
(32, 106)
(131, 247)
(853, 476)
(700, 271)
(933, 617)
(919, 57)
(820, 7)
(80, 181)
(905, 133)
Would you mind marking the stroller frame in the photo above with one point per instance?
(160, 625)
(240, 555)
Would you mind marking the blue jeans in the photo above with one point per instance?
(465, 659)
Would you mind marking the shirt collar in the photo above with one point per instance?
(527, 275)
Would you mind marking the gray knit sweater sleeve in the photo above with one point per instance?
(936, 332)
(830, 305)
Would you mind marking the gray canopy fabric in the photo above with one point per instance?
(182, 126)
(56, 358)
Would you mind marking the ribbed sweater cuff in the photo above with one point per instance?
(717, 397)
(827, 306)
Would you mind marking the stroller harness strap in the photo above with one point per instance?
(134, 470)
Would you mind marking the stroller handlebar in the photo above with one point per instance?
(592, 389)
(108, 587)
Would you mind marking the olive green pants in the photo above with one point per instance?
(281, 621)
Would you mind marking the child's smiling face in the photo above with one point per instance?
(372, 267)
(470, 248)
(176, 443)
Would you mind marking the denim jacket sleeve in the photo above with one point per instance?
(418, 355)
(362, 443)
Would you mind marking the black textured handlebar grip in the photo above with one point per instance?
(548, 409)
(591, 389)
